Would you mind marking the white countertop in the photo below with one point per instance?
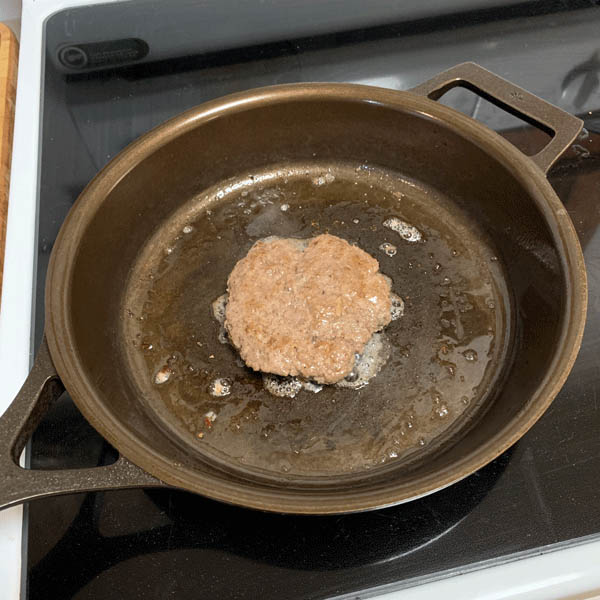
(566, 573)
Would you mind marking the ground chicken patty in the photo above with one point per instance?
(305, 307)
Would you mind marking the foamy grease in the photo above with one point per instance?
(288, 387)
(220, 387)
(218, 308)
(397, 306)
(282, 387)
(372, 359)
(405, 230)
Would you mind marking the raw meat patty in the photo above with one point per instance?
(305, 307)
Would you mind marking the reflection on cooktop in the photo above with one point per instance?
(358, 544)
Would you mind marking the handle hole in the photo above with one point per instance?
(64, 440)
(530, 137)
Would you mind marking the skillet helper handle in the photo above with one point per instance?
(17, 485)
(562, 126)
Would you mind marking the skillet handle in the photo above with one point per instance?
(562, 126)
(41, 388)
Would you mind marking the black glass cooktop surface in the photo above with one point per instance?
(99, 94)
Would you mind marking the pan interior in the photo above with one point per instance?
(447, 350)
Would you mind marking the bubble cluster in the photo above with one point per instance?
(220, 387)
(442, 411)
(282, 387)
(323, 179)
(397, 306)
(218, 308)
(405, 230)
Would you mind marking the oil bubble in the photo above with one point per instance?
(388, 248)
(470, 355)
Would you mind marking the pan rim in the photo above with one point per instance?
(61, 339)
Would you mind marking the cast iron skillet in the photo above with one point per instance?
(494, 292)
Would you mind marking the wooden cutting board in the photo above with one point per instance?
(8, 90)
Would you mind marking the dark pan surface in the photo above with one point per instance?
(447, 351)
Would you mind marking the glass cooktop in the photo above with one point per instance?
(112, 72)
